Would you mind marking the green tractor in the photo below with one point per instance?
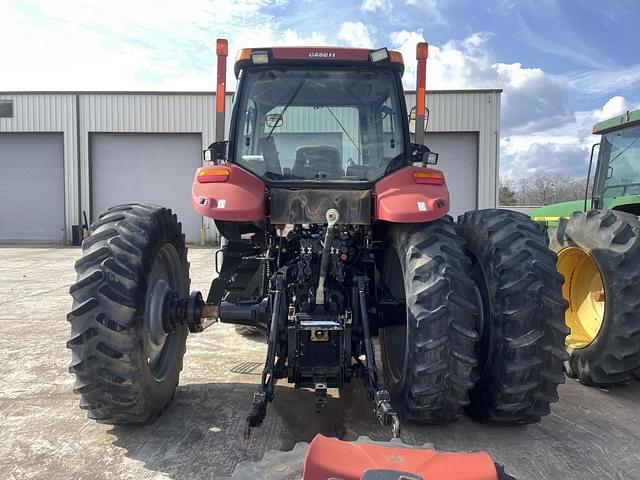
(598, 247)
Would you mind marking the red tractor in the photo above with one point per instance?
(336, 232)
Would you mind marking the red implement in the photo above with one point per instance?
(332, 458)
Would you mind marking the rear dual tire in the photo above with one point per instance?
(521, 349)
(428, 361)
(484, 328)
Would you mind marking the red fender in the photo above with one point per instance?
(332, 458)
(228, 192)
(399, 198)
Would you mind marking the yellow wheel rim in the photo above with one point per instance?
(584, 291)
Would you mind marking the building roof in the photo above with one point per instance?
(201, 92)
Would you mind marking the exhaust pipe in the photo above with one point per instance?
(422, 52)
(222, 50)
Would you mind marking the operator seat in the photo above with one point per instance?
(312, 160)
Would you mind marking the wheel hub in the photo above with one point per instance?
(165, 281)
(584, 290)
(159, 300)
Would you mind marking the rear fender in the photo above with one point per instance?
(399, 199)
(239, 198)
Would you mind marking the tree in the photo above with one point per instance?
(541, 188)
(506, 195)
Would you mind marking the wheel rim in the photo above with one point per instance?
(166, 277)
(584, 290)
(484, 325)
(396, 336)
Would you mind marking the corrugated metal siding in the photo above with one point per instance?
(51, 113)
(142, 113)
(472, 111)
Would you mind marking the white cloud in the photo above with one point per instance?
(539, 128)
(376, 5)
(431, 8)
(531, 98)
(161, 45)
(355, 34)
(562, 148)
(614, 106)
(567, 159)
(125, 45)
(602, 82)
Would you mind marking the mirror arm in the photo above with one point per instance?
(586, 190)
(217, 151)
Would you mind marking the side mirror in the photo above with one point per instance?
(412, 120)
(216, 153)
(421, 155)
(274, 120)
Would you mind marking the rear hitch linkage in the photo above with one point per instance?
(264, 394)
(385, 413)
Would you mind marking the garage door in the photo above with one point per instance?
(31, 187)
(459, 162)
(153, 168)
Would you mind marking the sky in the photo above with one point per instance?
(562, 64)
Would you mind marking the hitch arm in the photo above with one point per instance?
(264, 394)
(381, 399)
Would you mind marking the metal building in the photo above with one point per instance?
(64, 155)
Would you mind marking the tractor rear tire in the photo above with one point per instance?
(605, 351)
(126, 372)
(521, 348)
(429, 360)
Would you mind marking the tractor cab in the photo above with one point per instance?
(617, 179)
(616, 182)
(310, 115)
(322, 124)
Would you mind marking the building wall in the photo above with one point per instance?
(470, 111)
(51, 113)
(78, 114)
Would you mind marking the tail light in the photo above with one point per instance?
(430, 177)
(213, 175)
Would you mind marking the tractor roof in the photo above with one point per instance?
(617, 122)
(327, 55)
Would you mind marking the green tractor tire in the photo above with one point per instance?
(599, 257)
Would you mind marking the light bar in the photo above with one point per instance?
(379, 55)
(259, 58)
